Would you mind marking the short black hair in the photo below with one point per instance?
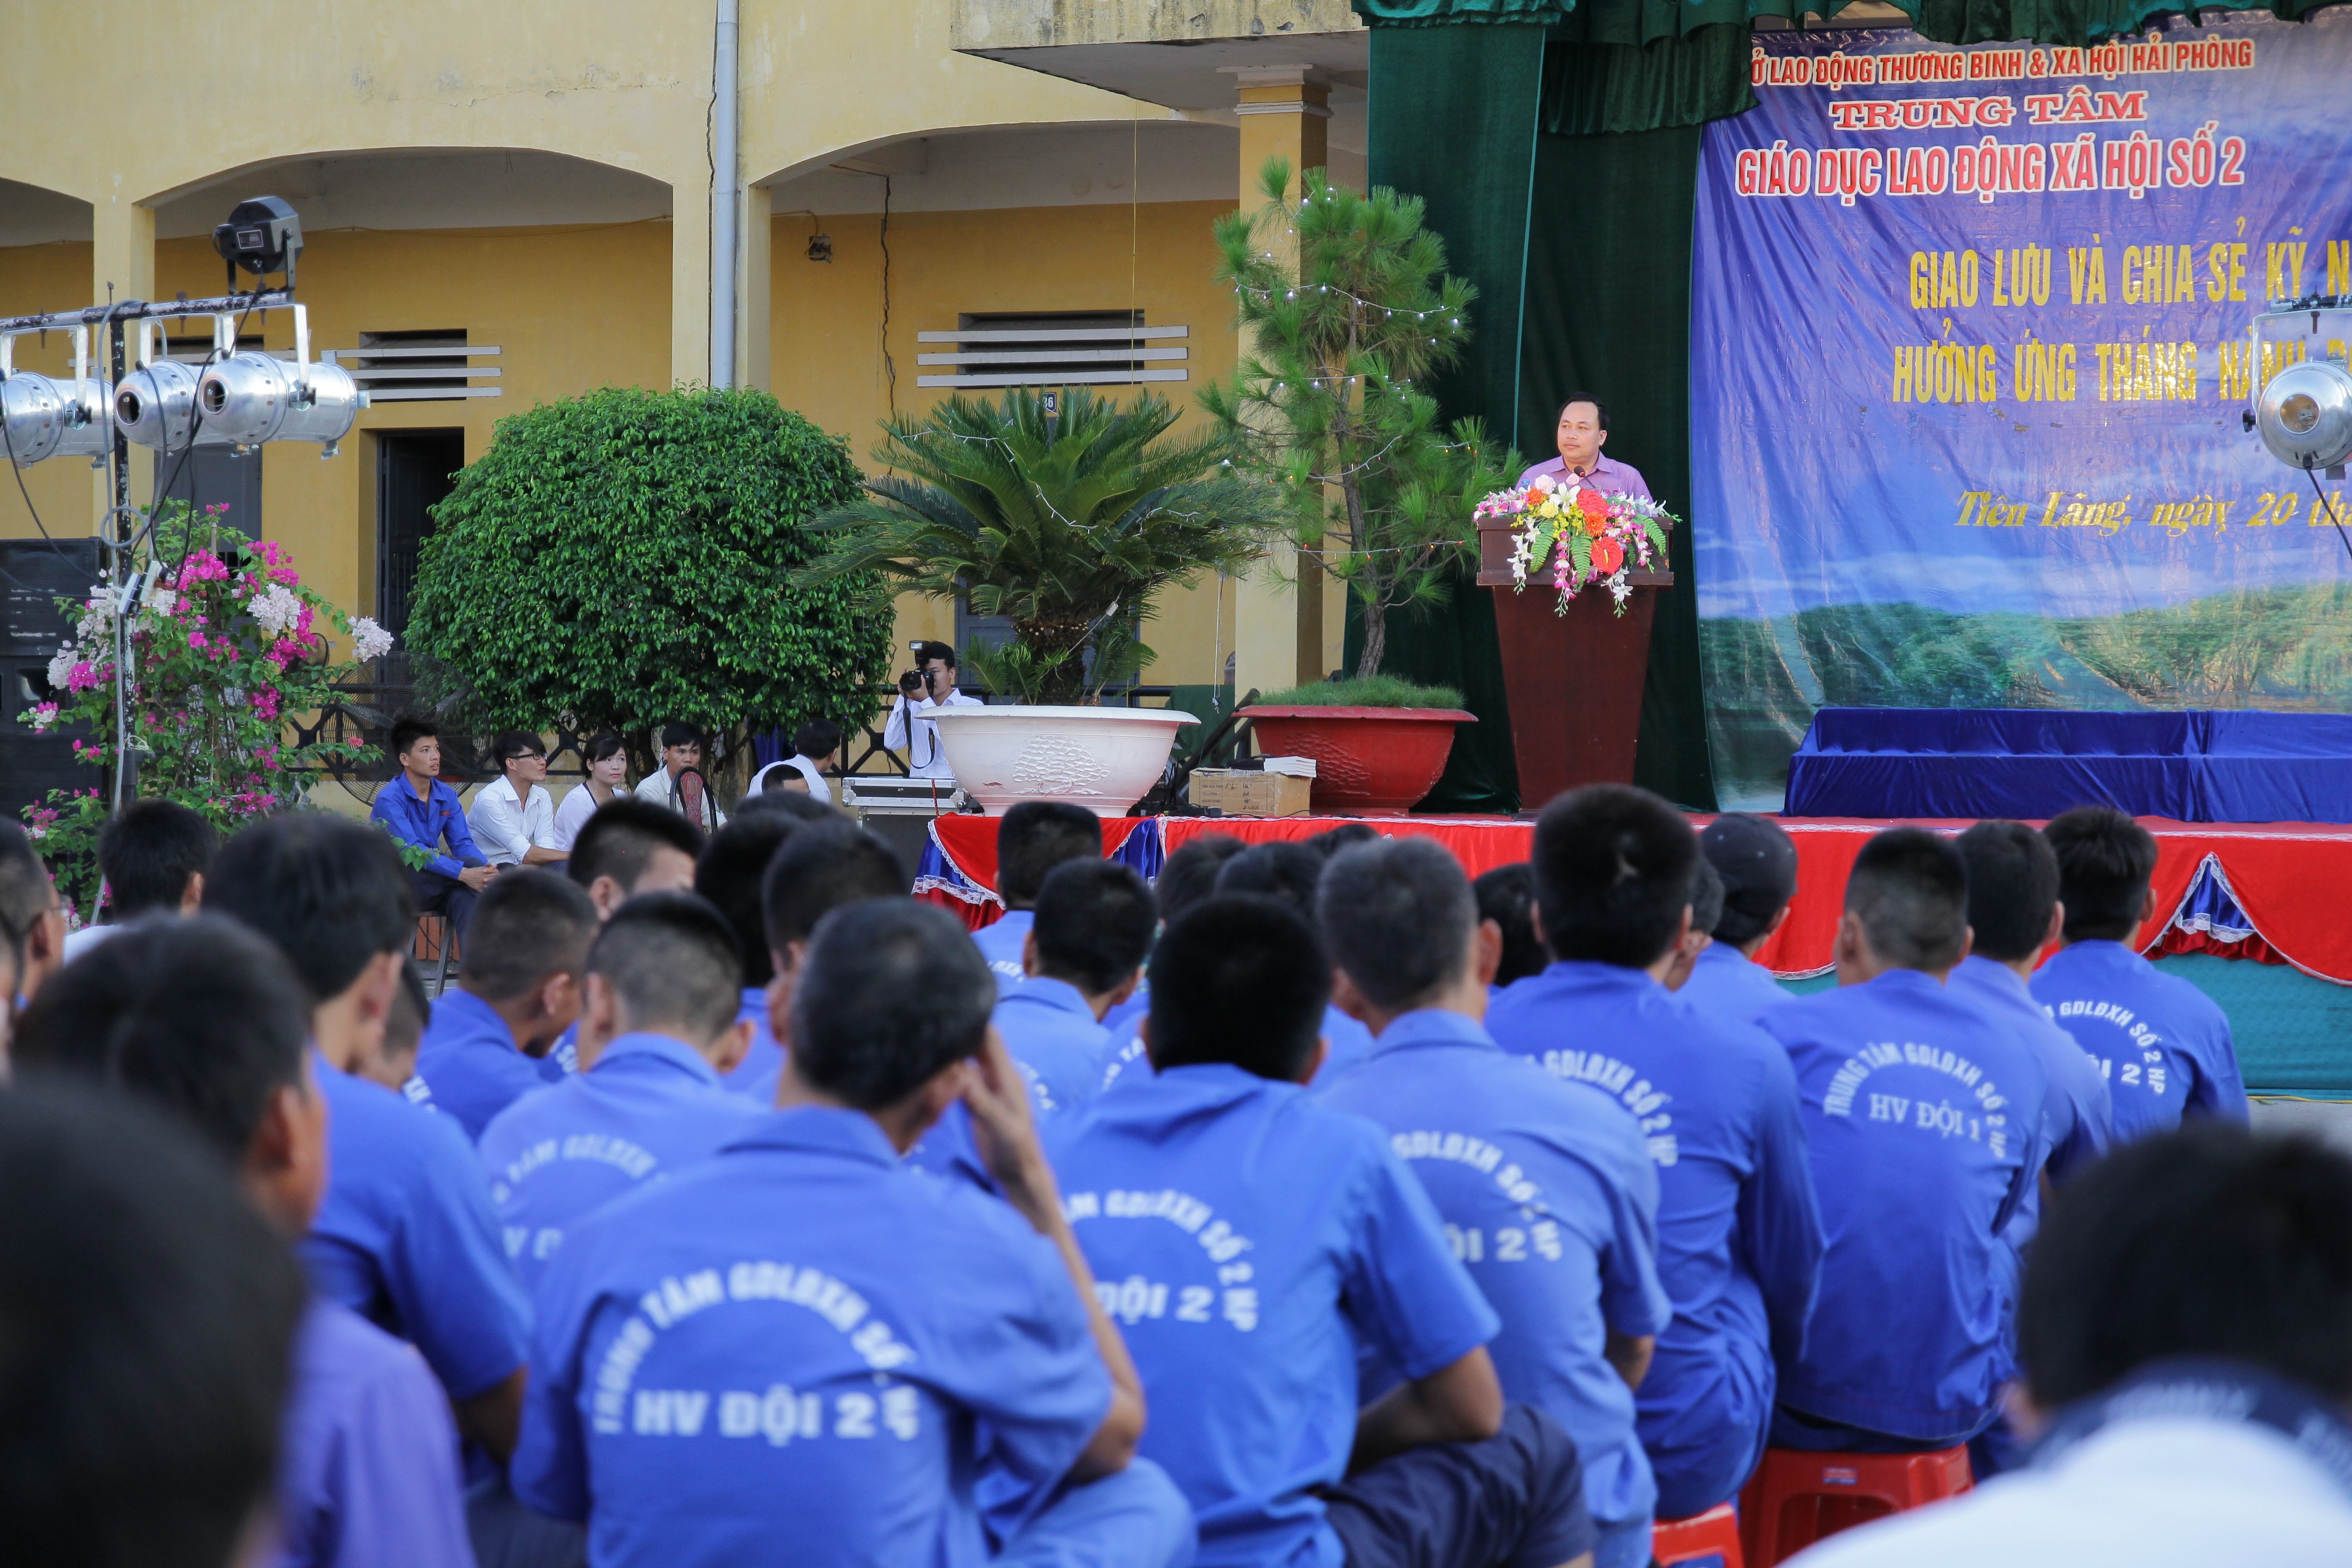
(1757, 862)
(2209, 1241)
(603, 743)
(25, 887)
(1348, 834)
(620, 836)
(680, 734)
(1910, 888)
(530, 924)
(409, 729)
(671, 959)
(1600, 409)
(893, 993)
(1507, 895)
(2012, 888)
(820, 868)
(149, 851)
(331, 892)
(790, 805)
(1036, 836)
(150, 1319)
(1706, 896)
(815, 737)
(1239, 979)
(1613, 868)
(2105, 863)
(1189, 874)
(1095, 924)
(1399, 914)
(733, 866)
(928, 651)
(201, 1019)
(1285, 869)
(515, 743)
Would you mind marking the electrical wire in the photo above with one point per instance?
(2321, 502)
(889, 365)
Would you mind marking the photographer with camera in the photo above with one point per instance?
(924, 689)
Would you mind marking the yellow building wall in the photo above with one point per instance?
(33, 281)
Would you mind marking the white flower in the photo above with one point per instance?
(163, 601)
(276, 610)
(61, 667)
(371, 640)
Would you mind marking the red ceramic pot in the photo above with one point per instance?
(1369, 762)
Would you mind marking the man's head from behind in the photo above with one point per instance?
(154, 854)
(203, 1020)
(1507, 895)
(524, 952)
(817, 740)
(1403, 924)
(2106, 861)
(1239, 979)
(1757, 860)
(1906, 906)
(1095, 923)
(891, 995)
(1037, 836)
(1189, 874)
(666, 964)
(1284, 870)
(332, 896)
(631, 846)
(2012, 889)
(31, 925)
(1612, 869)
(733, 865)
(151, 1317)
(820, 868)
(2207, 1242)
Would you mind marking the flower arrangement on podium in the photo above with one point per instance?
(1585, 536)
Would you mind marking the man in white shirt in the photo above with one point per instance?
(671, 786)
(2187, 1360)
(513, 819)
(816, 748)
(924, 689)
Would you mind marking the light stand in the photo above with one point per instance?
(2304, 411)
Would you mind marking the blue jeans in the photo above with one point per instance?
(1136, 1518)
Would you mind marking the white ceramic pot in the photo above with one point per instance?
(1105, 759)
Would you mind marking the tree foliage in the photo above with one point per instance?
(628, 557)
(1069, 525)
(1325, 403)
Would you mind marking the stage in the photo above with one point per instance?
(2251, 913)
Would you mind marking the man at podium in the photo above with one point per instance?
(1583, 430)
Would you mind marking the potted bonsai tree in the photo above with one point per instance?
(1326, 409)
(1068, 517)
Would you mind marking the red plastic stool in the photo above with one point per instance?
(1714, 1533)
(1798, 1498)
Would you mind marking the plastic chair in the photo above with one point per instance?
(1714, 1534)
(1799, 1497)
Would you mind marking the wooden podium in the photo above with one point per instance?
(1575, 681)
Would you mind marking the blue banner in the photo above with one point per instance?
(1969, 357)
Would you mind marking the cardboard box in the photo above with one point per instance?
(1239, 793)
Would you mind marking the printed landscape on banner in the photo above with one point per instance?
(1968, 360)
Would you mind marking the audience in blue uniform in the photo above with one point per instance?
(1035, 837)
(1756, 861)
(2162, 1045)
(1547, 1191)
(1925, 1118)
(1084, 955)
(1716, 1104)
(1506, 896)
(493, 1036)
(1250, 1240)
(728, 874)
(658, 1032)
(631, 846)
(204, 1021)
(1291, 871)
(1705, 908)
(1186, 876)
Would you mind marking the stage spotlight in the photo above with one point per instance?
(2304, 415)
(262, 236)
(50, 416)
(155, 405)
(249, 398)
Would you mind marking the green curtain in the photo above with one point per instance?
(1597, 81)
(1453, 121)
(1447, 13)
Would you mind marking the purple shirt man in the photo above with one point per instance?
(1583, 429)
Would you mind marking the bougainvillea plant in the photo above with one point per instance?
(227, 649)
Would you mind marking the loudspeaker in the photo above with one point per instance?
(35, 574)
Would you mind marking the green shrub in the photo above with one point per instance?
(1362, 691)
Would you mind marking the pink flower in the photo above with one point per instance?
(197, 639)
(265, 702)
(82, 678)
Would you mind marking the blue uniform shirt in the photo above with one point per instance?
(1121, 1020)
(1739, 1233)
(2078, 1117)
(2162, 1045)
(1247, 1239)
(1001, 944)
(367, 1472)
(649, 1108)
(757, 1073)
(1550, 1198)
(1051, 1034)
(405, 1237)
(1725, 984)
(1345, 1042)
(783, 1354)
(1926, 1123)
(427, 823)
(469, 1068)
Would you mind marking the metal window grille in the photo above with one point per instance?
(427, 367)
(1060, 348)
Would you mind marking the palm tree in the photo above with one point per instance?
(1068, 524)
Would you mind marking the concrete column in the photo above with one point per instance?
(690, 277)
(1278, 625)
(753, 276)
(122, 267)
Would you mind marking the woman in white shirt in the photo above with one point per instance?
(608, 769)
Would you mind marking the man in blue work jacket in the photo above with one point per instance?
(1757, 862)
(1739, 1236)
(788, 1348)
(422, 813)
(1084, 956)
(1034, 837)
(1546, 1191)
